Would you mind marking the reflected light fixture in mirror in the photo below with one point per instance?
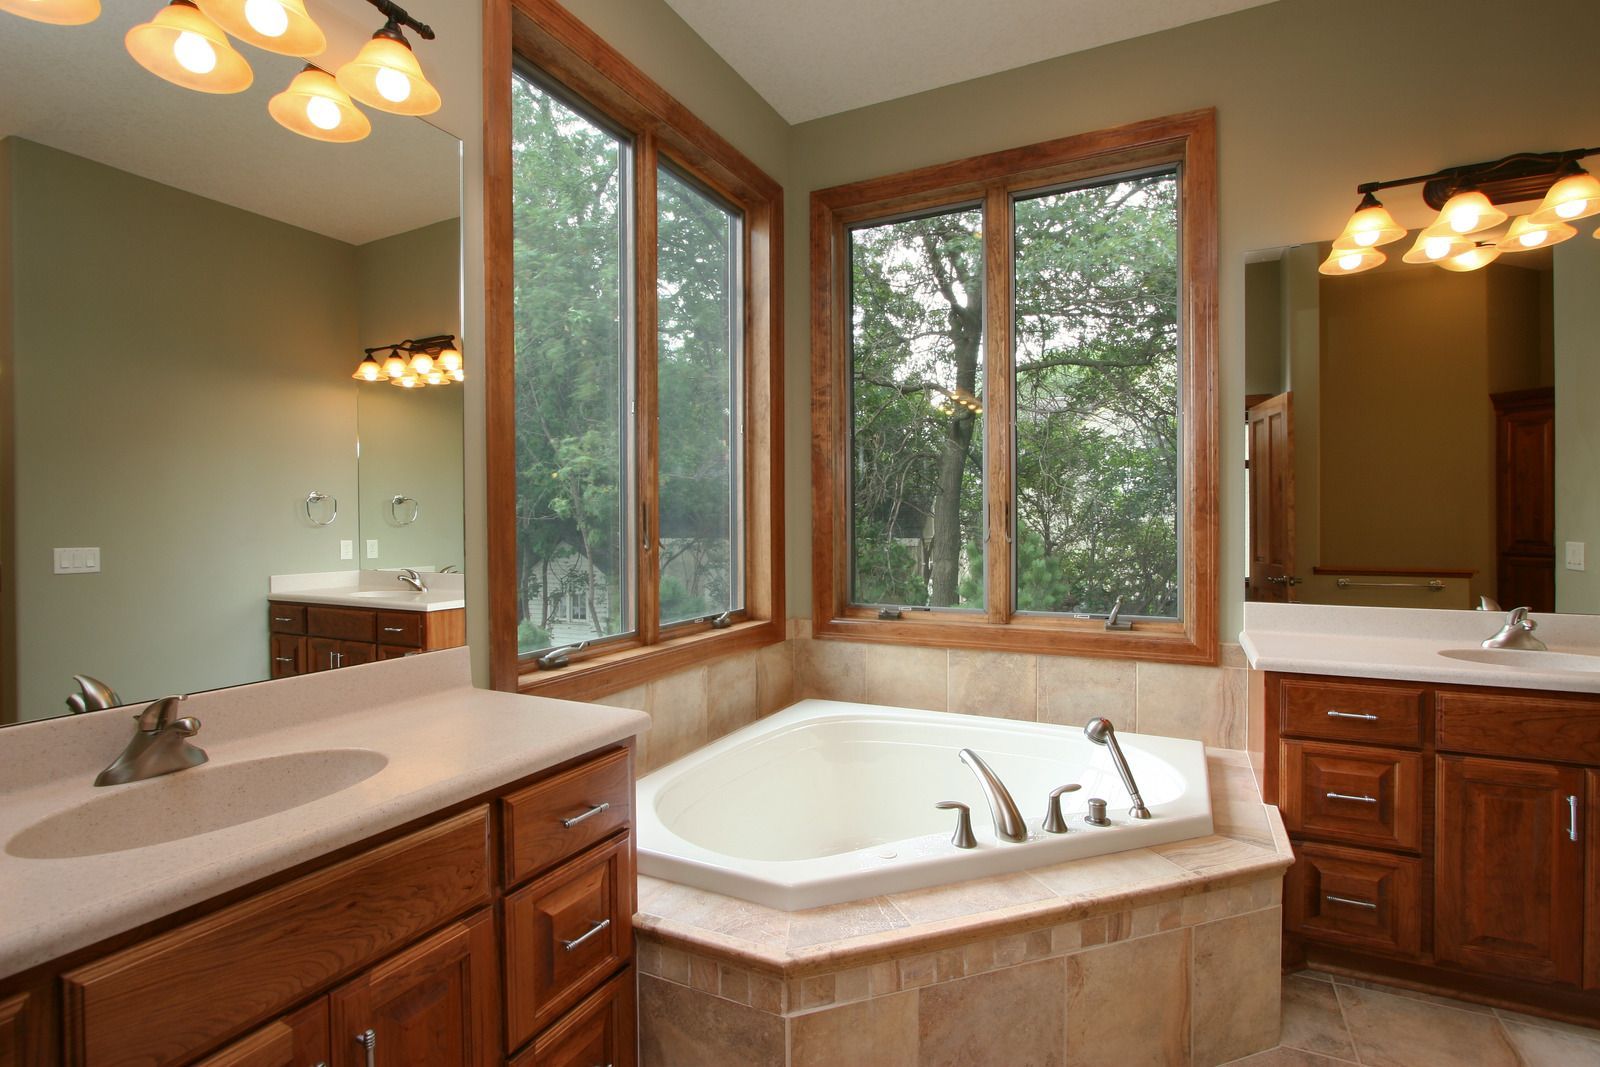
(315, 106)
(1351, 261)
(1575, 196)
(1525, 235)
(1437, 243)
(55, 12)
(184, 47)
(1469, 212)
(414, 364)
(281, 26)
(386, 75)
(1472, 259)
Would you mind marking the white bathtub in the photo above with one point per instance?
(828, 801)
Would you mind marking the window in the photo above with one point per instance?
(634, 452)
(1019, 355)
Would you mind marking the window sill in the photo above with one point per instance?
(613, 672)
(1161, 642)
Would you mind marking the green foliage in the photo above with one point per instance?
(530, 636)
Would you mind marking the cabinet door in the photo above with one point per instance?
(1591, 965)
(14, 1031)
(298, 1040)
(435, 1003)
(288, 655)
(600, 1031)
(354, 652)
(1508, 886)
(322, 654)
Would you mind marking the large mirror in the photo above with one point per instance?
(188, 287)
(1425, 438)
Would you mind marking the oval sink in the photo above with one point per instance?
(1523, 659)
(198, 801)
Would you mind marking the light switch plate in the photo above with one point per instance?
(372, 548)
(1574, 555)
(77, 561)
(347, 550)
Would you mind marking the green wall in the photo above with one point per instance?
(1577, 371)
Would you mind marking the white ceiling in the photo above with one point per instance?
(810, 58)
(77, 89)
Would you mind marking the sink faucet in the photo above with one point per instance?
(160, 746)
(1008, 824)
(93, 695)
(413, 578)
(1517, 633)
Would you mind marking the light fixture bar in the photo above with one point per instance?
(1526, 176)
(396, 13)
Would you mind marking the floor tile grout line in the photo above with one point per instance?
(1349, 1031)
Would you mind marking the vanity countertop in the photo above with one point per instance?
(444, 742)
(380, 600)
(1411, 645)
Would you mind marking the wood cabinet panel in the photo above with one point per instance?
(565, 933)
(346, 624)
(432, 1004)
(297, 1040)
(288, 655)
(554, 819)
(599, 1031)
(1508, 886)
(400, 628)
(1365, 796)
(241, 965)
(15, 1041)
(1349, 896)
(327, 654)
(1352, 711)
(1591, 866)
(286, 618)
(1512, 724)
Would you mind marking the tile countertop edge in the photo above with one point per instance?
(30, 943)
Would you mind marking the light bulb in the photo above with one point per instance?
(394, 366)
(1437, 247)
(266, 17)
(392, 85)
(450, 359)
(456, 375)
(1572, 209)
(1533, 238)
(1350, 262)
(194, 53)
(1366, 238)
(434, 377)
(323, 113)
(422, 363)
(1464, 219)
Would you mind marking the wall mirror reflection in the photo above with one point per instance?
(188, 287)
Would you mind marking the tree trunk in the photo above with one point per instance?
(945, 558)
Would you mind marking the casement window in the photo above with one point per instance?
(634, 445)
(1014, 377)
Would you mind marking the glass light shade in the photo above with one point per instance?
(55, 12)
(1526, 235)
(1469, 212)
(186, 48)
(450, 359)
(1436, 243)
(281, 26)
(1351, 261)
(368, 370)
(395, 366)
(1370, 226)
(436, 377)
(459, 375)
(421, 363)
(314, 106)
(1577, 196)
(1481, 256)
(385, 75)
(409, 381)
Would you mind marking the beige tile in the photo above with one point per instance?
(775, 677)
(1119, 871)
(1508, 1017)
(733, 983)
(703, 974)
(766, 994)
(883, 978)
(854, 984)
(997, 684)
(1202, 703)
(681, 1027)
(1236, 986)
(1413, 994)
(1313, 1020)
(714, 912)
(917, 971)
(1391, 1031)
(677, 717)
(800, 629)
(881, 1032)
(1213, 855)
(1231, 655)
(731, 700)
(1129, 1003)
(1288, 1057)
(906, 677)
(1010, 1016)
(839, 922)
(1072, 690)
(1539, 1046)
(968, 898)
(833, 670)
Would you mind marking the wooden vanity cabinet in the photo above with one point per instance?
(296, 1040)
(305, 638)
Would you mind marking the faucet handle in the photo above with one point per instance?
(962, 838)
(1054, 823)
(158, 713)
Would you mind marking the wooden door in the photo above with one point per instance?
(1271, 490)
(435, 1003)
(1525, 493)
(1508, 884)
(296, 1040)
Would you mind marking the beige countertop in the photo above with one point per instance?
(381, 590)
(444, 742)
(379, 599)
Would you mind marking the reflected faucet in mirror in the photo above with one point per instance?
(93, 695)
(412, 577)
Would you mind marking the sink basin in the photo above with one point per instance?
(198, 801)
(1522, 659)
(384, 594)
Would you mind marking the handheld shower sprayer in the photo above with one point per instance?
(1101, 732)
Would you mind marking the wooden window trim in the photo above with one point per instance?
(573, 56)
(992, 180)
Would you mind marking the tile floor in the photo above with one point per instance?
(1335, 1022)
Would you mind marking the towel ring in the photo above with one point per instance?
(394, 510)
(315, 497)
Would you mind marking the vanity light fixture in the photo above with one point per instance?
(1525, 234)
(1475, 257)
(55, 12)
(1469, 212)
(414, 364)
(385, 74)
(1370, 226)
(315, 106)
(1352, 261)
(1575, 196)
(281, 26)
(183, 46)
(1438, 243)
(369, 370)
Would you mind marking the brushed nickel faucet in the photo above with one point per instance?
(1008, 824)
(93, 695)
(161, 746)
(412, 577)
(1517, 633)
(1101, 732)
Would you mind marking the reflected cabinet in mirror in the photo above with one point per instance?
(188, 287)
(1424, 438)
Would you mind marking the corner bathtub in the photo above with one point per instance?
(828, 801)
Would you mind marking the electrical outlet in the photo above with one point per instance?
(372, 548)
(1574, 555)
(77, 561)
(347, 550)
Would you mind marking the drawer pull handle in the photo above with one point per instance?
(1330, 898)
(394, 629)
(1347, 796)
(283, 659)
(1572, 818)
(368, 1040)
(280, 618)
(591, 813)
(1352, 715)
(595, 929)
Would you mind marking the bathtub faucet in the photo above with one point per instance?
(1008, 824)
(1101, 732)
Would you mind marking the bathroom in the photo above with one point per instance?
(589, 700)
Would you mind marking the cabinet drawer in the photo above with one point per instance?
(345, 624)
(1345, 896)
(288, 653)
(400, 628)
(168, 998)
(294, 1041)
(565, 934)
(598, 1031)
(1365, 796)
(560, 817)
(1350, 711)
(286, 618)
(1509, 724)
